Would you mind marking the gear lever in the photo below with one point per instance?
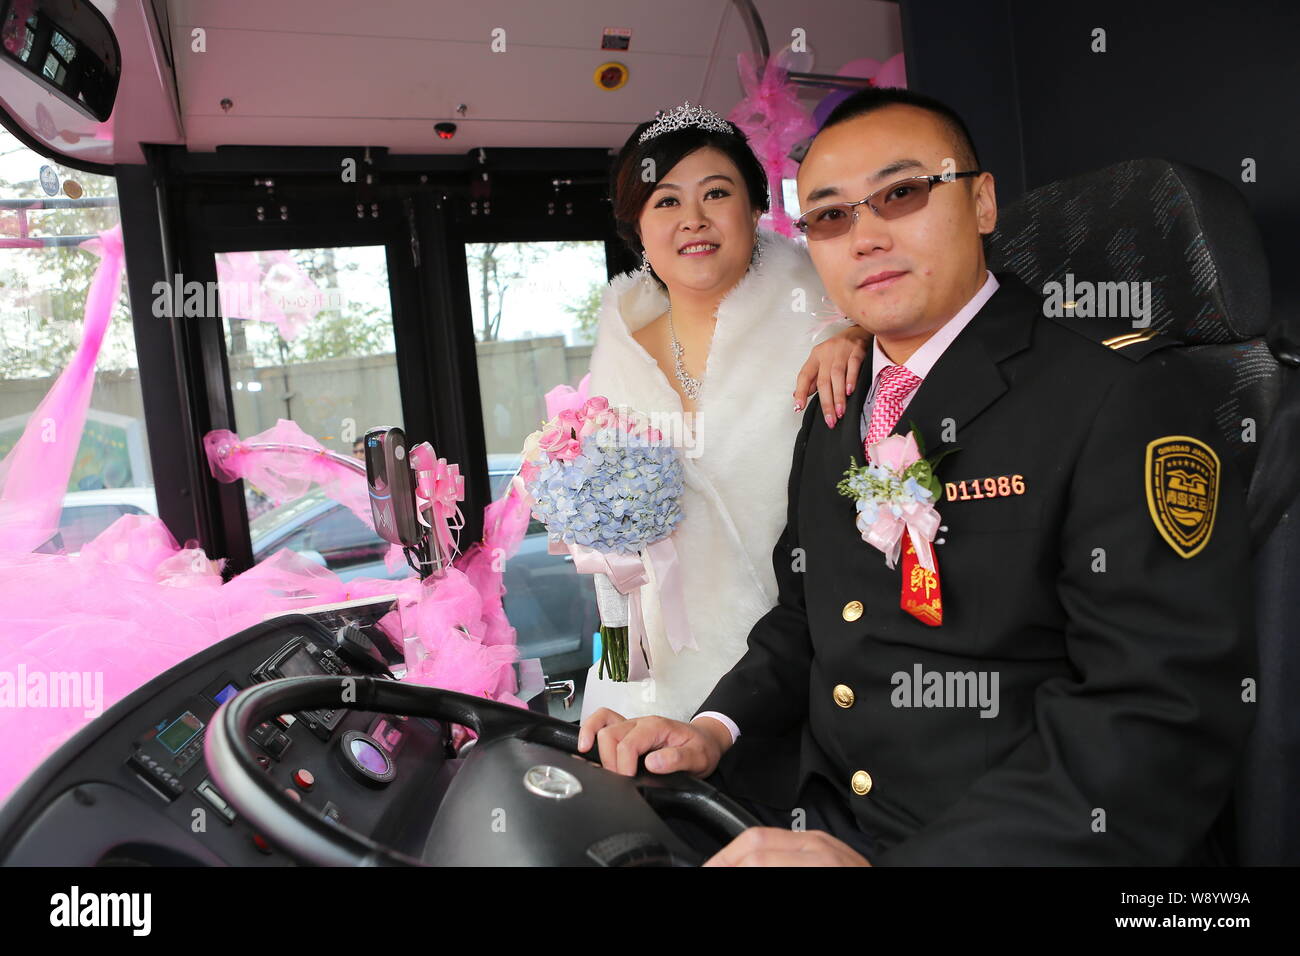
(357, 649)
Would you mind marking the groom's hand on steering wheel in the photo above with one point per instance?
(668, 745)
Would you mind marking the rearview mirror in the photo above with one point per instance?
(66, 46)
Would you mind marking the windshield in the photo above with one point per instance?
(280, 517)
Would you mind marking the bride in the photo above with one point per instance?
(710, 333)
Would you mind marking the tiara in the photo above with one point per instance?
(683, 116)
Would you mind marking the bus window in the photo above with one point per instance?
(535, 306)
(46, 212)
(309, 338)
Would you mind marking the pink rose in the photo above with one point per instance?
(654, 435)
(594, 406)
(569, 419)
(568, 422)
(571, 450)
(552, 440)
(606, 419)
(895, 453)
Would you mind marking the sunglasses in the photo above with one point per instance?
(894, 201)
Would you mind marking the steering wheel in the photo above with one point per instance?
(520, 797)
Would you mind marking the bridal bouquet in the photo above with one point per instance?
(606, 484)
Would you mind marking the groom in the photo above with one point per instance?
(1066, 685)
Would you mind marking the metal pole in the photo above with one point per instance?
(432, 559)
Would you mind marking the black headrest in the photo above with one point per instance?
(1186, 231)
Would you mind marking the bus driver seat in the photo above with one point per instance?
(1190, 235)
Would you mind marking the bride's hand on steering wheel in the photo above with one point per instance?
(833, 367)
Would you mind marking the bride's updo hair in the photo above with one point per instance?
(629, 192)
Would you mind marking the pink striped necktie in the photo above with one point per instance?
(895, 384)
(921, 595)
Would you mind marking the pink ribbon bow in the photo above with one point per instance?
(896, 454)
(438, 486)
(919, 519)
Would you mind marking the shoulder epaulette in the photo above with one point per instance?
(1134, 344)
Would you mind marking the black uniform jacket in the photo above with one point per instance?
(1101, 593)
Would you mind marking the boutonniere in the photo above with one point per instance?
(895, 493)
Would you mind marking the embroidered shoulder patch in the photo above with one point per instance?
(1182, 483)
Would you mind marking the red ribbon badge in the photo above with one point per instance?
(921, 596)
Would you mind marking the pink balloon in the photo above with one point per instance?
(864, 67)
(892, 72)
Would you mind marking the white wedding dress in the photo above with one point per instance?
(737, 465)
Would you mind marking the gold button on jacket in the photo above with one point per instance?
(861, 783)
(843, 695)
(853, 610)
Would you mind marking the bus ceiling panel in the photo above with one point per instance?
(74, 112)
(336, 73)
(262, 161)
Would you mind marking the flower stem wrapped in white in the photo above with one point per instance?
(611, 603)
(613, 607)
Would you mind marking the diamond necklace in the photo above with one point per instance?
(691, 386)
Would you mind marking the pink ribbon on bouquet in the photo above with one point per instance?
(567, 397)
(627, 573)
(438, 486)
(919, 519)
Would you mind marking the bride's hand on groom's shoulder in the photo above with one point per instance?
(670, 744)
(832, 368)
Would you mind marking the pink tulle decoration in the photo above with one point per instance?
(134, 604)
(65, 616)
(504, 523)
(268, 287)
(34, 475)
(288, 475)
(774, 120)
(470, 592)
(444, 651)
(139, 541)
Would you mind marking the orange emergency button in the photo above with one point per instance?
(304, 778)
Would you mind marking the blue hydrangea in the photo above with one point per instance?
(619, 496)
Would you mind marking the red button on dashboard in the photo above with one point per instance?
(304, 778)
